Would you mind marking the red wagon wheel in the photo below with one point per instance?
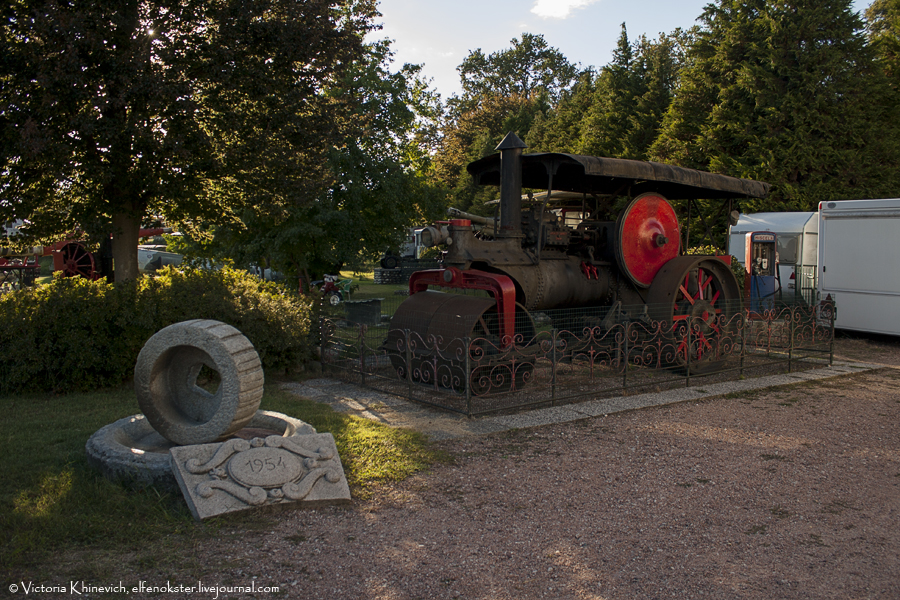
(697, 298)
(77, 261)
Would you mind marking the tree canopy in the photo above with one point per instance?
(616, 112)
(379, 186)
(788, 92)
(883, 27)
(795, 93)
(113, 112)
(273, 132)
(503, 91)
(528, 68)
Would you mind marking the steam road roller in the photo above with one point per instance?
(570, 245)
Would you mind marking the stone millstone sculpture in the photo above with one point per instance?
(165, 380)
(224, 452)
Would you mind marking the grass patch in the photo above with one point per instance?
(51, 500)
(50, 497)
(365, 288)
(371, 453)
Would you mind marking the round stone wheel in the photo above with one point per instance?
(166, 381)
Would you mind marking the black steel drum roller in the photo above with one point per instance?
(427, 342)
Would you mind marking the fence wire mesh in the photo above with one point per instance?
(457, 359)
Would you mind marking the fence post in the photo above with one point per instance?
(361, 335)
(323, 340)
(554, 332)
(792, 331)
(623, 356)
(468, 377)
(687, 352)
(833, 317)
(409, 375)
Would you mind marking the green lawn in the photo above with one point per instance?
(52, 501)
(368, 288)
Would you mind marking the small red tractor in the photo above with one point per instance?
(70, 256)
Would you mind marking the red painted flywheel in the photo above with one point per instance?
(648, 237)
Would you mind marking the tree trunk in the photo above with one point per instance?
(126, 231)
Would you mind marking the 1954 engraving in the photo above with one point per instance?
(260, 471)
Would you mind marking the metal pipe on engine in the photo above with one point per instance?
(511, 186)
(461, 214)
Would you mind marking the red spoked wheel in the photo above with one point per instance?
(75, 261)
(697, 299)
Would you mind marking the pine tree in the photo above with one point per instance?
(606, 124)
(788, 92)
(883, 27)
(657, 67)
(618, 112)
(559, 129)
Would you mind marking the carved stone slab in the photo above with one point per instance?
(239, 474)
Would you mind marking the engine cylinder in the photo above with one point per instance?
(561, 283)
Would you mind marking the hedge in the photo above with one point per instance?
(74, 334)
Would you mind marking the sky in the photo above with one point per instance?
(440, 33)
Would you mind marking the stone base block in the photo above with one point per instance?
(240, 474)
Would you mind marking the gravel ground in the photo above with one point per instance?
(790, 492)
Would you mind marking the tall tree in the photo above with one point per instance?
(618, 111)
(658, 65)
(112, 112)
(559, 129)
(530, 68)
(475, 134)
(380, 185)
(883, 26)
(607, 122)
(788, 92)
(503, 91)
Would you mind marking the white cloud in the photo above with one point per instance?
(558, 9)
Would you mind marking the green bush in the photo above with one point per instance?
(75, 334)
(736, 267)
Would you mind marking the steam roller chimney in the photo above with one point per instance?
(510, 186)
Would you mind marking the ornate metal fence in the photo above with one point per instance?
(571, 355)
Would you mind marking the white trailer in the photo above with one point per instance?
(859, 263)
(796, 237)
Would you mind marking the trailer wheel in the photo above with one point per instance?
(173, 399)
(76, 261)
(696, 300)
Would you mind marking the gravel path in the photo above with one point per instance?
(791, 492)
(781, 493)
